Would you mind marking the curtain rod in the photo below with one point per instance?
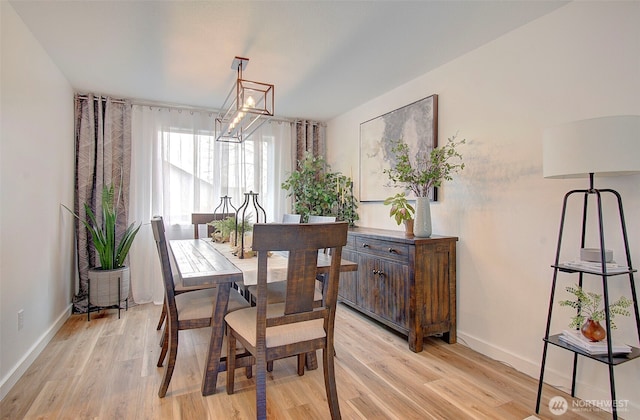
(141, 102)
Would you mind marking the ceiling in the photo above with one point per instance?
(324, 57)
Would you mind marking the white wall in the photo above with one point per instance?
(578, 62)
(36, 175)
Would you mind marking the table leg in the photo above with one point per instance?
(210, 377)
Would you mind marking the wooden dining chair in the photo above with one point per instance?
(293, 327)
(200, 219)
(197, 220)
(184, 311)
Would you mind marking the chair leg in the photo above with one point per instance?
(231, 360)
(261, 386)
(164, 342)
(270, 366)
(163, 315)
(330, 382)
(171, 341)
(301, 363)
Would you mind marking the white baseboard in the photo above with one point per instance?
(21, 367)
(560, 380)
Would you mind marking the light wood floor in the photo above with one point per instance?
(105, 369)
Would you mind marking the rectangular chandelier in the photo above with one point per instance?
(248, 105)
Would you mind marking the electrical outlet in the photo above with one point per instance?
(20, 319)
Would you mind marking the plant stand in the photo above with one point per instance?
(609, 359)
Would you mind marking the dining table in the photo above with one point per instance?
(204, 263)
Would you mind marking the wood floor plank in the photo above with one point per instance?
(106, 368)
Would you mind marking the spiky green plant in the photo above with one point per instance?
(588, 305)
(111, 252)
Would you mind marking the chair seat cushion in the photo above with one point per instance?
(277, 291)
(199, 304)
(243, 322)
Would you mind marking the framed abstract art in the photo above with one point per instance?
(416, 124)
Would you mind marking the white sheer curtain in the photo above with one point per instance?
(178, 168)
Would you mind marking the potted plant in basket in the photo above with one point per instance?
(112, 252)
(590, 312)
(422, 172)
(401, 211)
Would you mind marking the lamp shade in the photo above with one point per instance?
(602, 146)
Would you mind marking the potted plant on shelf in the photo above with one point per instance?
(111, 252)
(401, 211)
(590, 312)
(318, 191)
(421, 173)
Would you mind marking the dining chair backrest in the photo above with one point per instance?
(157, 225)
(321, 219)
(291, 218)
(302, 242)
(198, 219)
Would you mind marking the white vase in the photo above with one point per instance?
(422, 224)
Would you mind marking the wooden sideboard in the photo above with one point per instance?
(407, 283)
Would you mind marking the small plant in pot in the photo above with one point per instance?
(401, 211)
(112, 252)
(591, 312)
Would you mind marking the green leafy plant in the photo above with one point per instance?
(318, 191)
(588, 305)
(224, 227)
(420, 173)
(401, 210)
(111, 252)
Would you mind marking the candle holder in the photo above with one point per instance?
(225, 203)
(250, 198)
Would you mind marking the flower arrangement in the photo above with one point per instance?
(401, 210)
(424, 171)
(588, 305)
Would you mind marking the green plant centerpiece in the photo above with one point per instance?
(225, 227)
(422, 172)
(590, 311)
(112, 251)
(316, 190)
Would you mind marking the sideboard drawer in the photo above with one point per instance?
(392, 250)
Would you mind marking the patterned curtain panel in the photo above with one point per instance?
(103, 157)
(310, 137)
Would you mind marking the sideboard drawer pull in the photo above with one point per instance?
(365, 245)
(393, 251)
